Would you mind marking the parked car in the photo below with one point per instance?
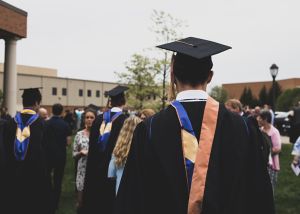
(282, 122)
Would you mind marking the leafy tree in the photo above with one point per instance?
(140, 77)
(166, 28)
(219, 94)
(288, 99)
(263, 96)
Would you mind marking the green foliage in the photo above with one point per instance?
(288, 99)
(263, 96)
(166, 28)
(278, 91)
(219, 94)
(247, 98)
(140, 77)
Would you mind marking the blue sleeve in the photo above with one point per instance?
(112, 171)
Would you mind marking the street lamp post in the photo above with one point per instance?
(273, 72)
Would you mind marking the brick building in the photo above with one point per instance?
(235, 90)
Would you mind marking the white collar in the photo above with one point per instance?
(192, 96)
(116, 109)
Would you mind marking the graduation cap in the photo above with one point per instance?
(117, 97)
(31, 95)
(116, 91)
(192, 63)
(194, 47)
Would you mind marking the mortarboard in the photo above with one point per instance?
(32, 94)
(116, 91)
(31, 91)
(194, 47)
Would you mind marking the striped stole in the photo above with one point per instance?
(105, 128)
(23, 133)
(197, 155)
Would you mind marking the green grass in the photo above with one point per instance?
(67, 201)
(287, 194)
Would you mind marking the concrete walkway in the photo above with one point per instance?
(285, 139)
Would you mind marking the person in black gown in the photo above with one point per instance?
(163, 175)
(26, 186)
(99, 191)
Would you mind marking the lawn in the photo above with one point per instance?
(287, 194)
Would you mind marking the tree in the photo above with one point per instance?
(219, 94)
(140, 78)
(263, 96)
(166, 27)
(278, 91)
(247, 98)
(288, 99)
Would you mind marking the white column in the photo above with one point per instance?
(10, 76)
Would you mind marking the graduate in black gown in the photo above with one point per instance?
(99, 191)
(195, 156)
(2, 158)
(26, 186)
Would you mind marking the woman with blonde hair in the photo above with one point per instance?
(145, 113)
(121, 150)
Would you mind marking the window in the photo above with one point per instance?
(105, 94)
(80, 92)
(89, 93)
(54, 91)
(154, 96)
(64, 91)
(97, 93)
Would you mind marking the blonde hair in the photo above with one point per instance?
(148, 112)
(234, 104)
(123, 143)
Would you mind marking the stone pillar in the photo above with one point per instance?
(10, 76)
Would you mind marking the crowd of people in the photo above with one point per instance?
(196, 156)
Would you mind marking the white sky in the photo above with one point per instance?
(94, 38)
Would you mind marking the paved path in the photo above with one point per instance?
(285, 140)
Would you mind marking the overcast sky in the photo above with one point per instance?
(92, 39)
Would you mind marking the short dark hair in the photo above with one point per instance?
(190, 70)
(57, 109)
(266, 115)
(118, 100)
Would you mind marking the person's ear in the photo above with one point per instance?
(210, 76)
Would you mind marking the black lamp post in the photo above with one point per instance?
(273, 72)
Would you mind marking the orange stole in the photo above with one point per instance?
(208, 129)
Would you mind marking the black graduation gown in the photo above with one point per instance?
(2, 159)
(26, 186)
(2, 154)
(154, 179)
(99, 191)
